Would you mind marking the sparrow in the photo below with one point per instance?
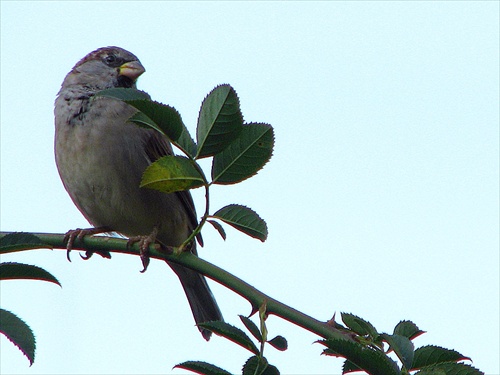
(101, 157)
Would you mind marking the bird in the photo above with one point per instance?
(101, 156)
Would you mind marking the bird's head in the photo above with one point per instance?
(104, 68)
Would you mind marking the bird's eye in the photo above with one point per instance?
(110, 59)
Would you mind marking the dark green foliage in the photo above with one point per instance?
(407, 329)
(11, 270)
(373, 361)
(252, 327)
(202, 368)
(219, 122)
(245, 156)
(244, 219)
(367, 353)
(258, 366)
(279, 342)
(239, 150)
(403, 348)
(257, 363)
(232, 333)
(431, 355)
(450, 369)
(18, 241)
(13, 327)
(19, 333)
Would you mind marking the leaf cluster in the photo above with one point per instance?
(238, 151)
(367, 352)
(13, 327)
(257, 364)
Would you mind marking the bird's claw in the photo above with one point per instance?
(79, 233)
(144, 243)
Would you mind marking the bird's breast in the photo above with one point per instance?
(101, 158)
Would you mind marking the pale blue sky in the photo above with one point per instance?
(381, 197)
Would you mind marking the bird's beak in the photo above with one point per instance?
(132, 70)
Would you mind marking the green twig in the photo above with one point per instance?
(251, 294)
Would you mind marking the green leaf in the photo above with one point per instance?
(158, 116)
(124, 94)
(202, 368)
(252, 327)
(219, 122)
(19, 333)
(245, 156)
(271, 370)
(431, 354)
(359, 325)
(350, 367)
(219, 228)
(185, 142)
(372, 361)
(11, 270)
(408, 329)
(164, 116)
(279, 342)
(450, 369)
(170, 174)
(144, 121)
(258, 366)
(403, 348)
(244, 219)
(20, 241)
(231, 333)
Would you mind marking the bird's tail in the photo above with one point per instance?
(200, 298)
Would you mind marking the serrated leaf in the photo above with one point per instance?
(244, 219)
(231, 333)
(271, 370)
(402, 346)
(219, 228)
(219, 122)
(124, 94)
(431, 354)
(11, 270)
(450, 369)
(20, 241)
(348, 367)
(158, 116)
(186, 143)
(258, 366)
(19, 333)
(144, 121)
(252, 327)
(254, 365)
(170, 174)
(245, 156)
(164, 116)
(408, 329)
(359, 325)
(372, 361)
(279, 342)
(204, 368)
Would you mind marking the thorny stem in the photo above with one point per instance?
(251, 294)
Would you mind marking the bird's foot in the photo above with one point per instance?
(74, 234)
(144, 242)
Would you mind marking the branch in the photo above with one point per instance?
(252, 295)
